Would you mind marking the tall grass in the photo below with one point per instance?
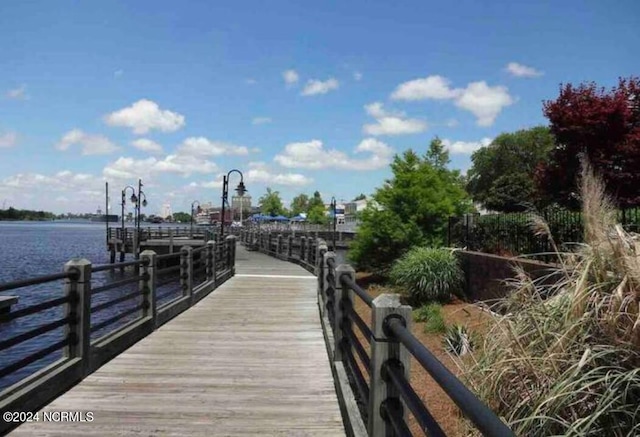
(565, 359)
(428, 274)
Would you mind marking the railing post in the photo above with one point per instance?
(211, 264)
(289, 246)
(384, 349)
(321, 246)
(186, 270)
(279, 246)
(78, 309)
(328, 282)
(231, 253)
(147, 285)
(303, 247)
(307, 256)
(342, 302)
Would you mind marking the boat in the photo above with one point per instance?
(110, 218)
(203, 219)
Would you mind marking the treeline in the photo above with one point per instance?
(25, 214)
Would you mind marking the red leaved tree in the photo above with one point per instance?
(604, 126)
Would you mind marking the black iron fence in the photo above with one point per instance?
(513, 234)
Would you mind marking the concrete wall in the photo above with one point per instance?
(485, 273)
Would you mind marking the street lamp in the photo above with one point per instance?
(199, 209)
(240, 189)
(335, 220)
(139, 202)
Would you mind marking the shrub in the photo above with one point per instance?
(431, 315)
(428, 274)
(565, 358)
(457, 340)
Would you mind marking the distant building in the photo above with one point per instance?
(165, 211)
(243, 202)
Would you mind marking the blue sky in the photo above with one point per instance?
(300, 96)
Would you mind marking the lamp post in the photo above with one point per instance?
(240, 189)
(199, 209)
(134, 200)
(142, 201)
(335, 219)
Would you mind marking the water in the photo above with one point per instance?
(29, 249)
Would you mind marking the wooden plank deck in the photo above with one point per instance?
(249, 359)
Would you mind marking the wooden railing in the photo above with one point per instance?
(384, 389)
(145, 299)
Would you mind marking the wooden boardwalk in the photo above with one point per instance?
(249, 359)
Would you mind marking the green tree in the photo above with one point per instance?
(182, 217)
(271, 203)
(360, 196)
(502, 177)
(299, 204)
(413, 208)
(317, 215)
(315, 201)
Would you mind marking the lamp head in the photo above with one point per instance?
(144, 202)
(241, 189)
(134, 198)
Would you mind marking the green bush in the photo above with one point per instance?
(431, 315)
(428, 274)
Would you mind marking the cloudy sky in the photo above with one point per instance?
(299, 96)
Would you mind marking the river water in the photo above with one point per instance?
(29, 249)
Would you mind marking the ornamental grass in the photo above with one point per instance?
(564, 359)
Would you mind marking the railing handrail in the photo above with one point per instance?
(36, 280)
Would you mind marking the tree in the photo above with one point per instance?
(502, 174)
(605, 127)
(316, 215)
(414, 206)
(360, 196)
(299, 204)
(182, 217)
(270, 203)
(315, 201)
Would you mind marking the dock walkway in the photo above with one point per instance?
(249, 359)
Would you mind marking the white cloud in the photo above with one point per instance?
(91, 144)
(520, 70)
(357, 76)
(64, 181)
(8, 139)
(484, 101)
(465, 147)
(315, 87)
(19, 93)
(312, 155)
(145, 115)
(260, 173)
(452, 122)
(131, 168)
(147, 145)
(290, 77)
(201, 146)
(431, 87)
(391, 123)
(261, 120)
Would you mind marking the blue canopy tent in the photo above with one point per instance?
(279, 218)
(298, 218)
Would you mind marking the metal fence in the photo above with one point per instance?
(514, 234)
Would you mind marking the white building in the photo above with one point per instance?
(165, 211)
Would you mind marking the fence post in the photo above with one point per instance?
(310, 244)
(321, 248)
(211, 264)
(303, 247)
(328, 283)
(279, 246)
(78, 309)
(383, 350)
(342, 302)
(147, 285)
(186, 270)
(231, 253)
(289, 246)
